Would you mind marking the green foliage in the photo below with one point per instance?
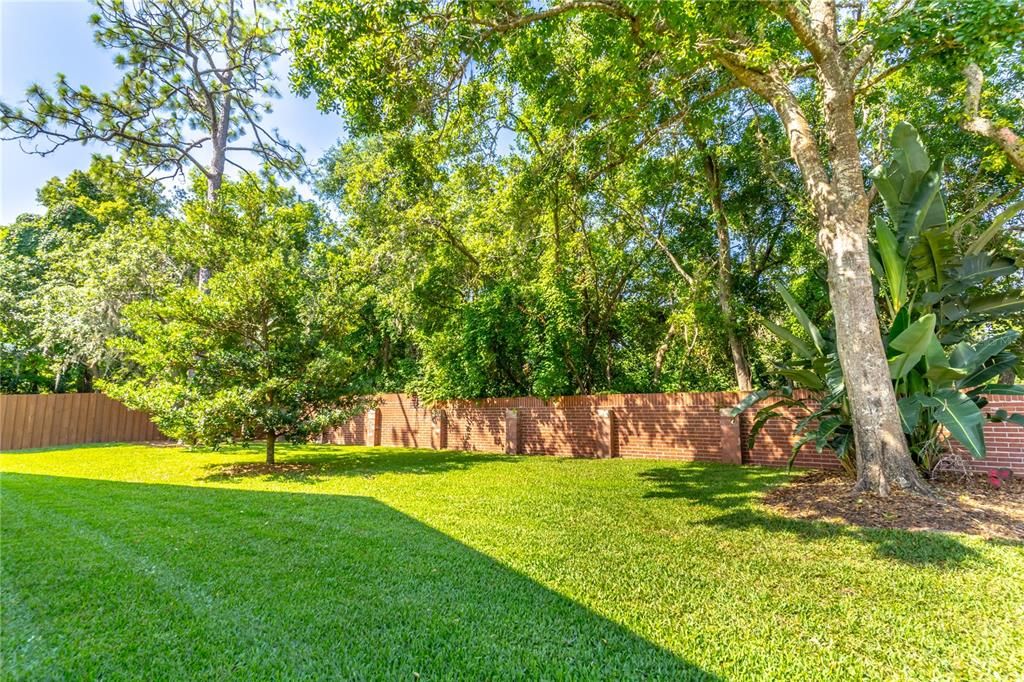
(69, 273)
(943, 296)
(262, 353)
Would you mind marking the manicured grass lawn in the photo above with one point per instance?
(157, 563)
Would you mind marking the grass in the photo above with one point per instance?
(349, 563)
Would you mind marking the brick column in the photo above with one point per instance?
(730, 448)
(439, 434)
(607, 434)
(373, 426)
(511, 431)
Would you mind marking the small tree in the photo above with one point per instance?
(262, 356)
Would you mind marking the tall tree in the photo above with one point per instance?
(196, 84)
(712, 175)
(400, 61)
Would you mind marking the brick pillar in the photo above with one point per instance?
(373, 426)
(607, 434)
(511, 431)
(439, 434)
(729, 449)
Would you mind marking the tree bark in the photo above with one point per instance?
(215, 176)
(271, 442)
(659, 355)
(883, 460)
(725, 290)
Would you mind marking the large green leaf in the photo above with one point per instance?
(943, 375)
(994, 345)
(900, 322)
(912, 345)
(801, 348)
(982, 267)
(931, 256)
(1000, 363)
(998, 389)
(961, 417)
(995, 305)
(909, 150)
(889, 193)
(938, 369)
(804, 377)
(953, 311)
(802, 318)
(997, 224)
(894, 265)
(926, 210)
(910, 412)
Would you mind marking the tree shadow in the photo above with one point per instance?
(314, 464)
(736, 492)
(172, 582)
(721, 486)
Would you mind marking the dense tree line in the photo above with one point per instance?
(553, 198)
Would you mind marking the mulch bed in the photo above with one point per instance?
(963, 504)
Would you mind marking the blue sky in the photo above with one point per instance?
(39, 38)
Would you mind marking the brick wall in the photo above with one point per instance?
(679, 426)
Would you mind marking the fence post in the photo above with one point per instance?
(511, 431)
(373, 426)
(607, 437)
(439, 434)
(730, 448)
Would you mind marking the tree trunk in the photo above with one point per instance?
(84, 384)
(883, 460)
(213, 183)
(659, 355)
(725, 294)
(271, 442)
(215, 176)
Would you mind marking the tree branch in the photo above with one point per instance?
(1007, 140)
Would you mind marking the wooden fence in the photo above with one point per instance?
(39, 421)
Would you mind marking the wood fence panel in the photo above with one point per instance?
(45, 416)
(30, 436)
(91, 415)
(39, 421)
(15, 412)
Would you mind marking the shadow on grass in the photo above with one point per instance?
(309, 465)
(108, 579)
(736, 491)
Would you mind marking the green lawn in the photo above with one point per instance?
(158, 563)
